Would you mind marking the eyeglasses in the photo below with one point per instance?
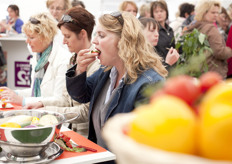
(56, 8)
(118, 16)
(68, 19)
(34, 21)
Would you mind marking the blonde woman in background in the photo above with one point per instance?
(77, 39)
(49, 63)
(129, 6)
(207, 12)
(58, 7)
(145, 11)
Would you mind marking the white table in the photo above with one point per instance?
(85, 159)
(18, 66)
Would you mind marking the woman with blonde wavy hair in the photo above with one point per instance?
(129, 64)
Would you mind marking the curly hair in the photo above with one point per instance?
(46, 28)
(136, 53)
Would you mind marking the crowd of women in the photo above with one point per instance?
(130, 54)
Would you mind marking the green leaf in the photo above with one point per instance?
(195, 49)
(201, 38)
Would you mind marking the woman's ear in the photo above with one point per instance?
(83, 34)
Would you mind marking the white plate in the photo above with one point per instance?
(3, 35)
(8, 106)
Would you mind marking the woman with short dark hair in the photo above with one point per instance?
(13, 23)
(159, 11)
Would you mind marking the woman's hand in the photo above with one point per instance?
(84, 58)
(35, 105)
(172, 56)
(10, 95)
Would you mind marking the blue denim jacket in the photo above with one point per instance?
(87, 90)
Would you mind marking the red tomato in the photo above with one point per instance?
(185, 87)
(69, 144)
(208, 80)
(66, 138)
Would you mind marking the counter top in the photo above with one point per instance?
(12, 37)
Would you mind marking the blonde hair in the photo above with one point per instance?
(144, 8)
(46, 28)
(67, 4)
(124, 4)
(203, 7)
(134, 50)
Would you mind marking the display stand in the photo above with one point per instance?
(18, 61)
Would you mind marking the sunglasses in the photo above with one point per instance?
(68, 19)
(118, 16)
(34, 21)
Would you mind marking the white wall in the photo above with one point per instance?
(31, 7)
(96, 7)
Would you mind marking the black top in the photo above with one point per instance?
(166, 41)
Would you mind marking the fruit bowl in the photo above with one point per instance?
(27, 142)
(133, 152)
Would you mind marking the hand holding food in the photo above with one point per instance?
(84, 58)
(172, 56)
(10, 95)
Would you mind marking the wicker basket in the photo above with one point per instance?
(130, 152)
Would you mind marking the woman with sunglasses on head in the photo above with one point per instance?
(48, 65)
(129, 64)
(76, 25)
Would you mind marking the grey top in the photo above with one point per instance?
(99, 112)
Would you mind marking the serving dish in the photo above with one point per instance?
(28, 142)
(47, 155)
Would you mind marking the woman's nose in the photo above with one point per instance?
(27, 40)
(94, 40)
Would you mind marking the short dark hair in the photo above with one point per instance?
(159, 3)
(186, 8)
(83, 18)
(15, 8)
(148, 21)
(77, 2)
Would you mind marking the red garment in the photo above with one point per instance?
(229, 44)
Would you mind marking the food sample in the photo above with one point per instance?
(48, 120)
(25, 121)
(22, 120)
(10, 125)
